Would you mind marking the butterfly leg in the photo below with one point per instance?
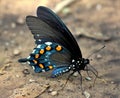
(81, 81)
(67, 80)
(94, 71)
(87, 70)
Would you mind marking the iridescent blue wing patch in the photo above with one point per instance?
(60, 70)
(48, 56)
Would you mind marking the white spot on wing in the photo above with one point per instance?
(66, 69)
(28, 62)
(45, 59)
(33, 51)
(39, 40)
(48, 62)
(73, 65)
(63, 70)
(48, 43)
(28, 57)
(33, 67)
(43, 70)
(38, 46)
(78, 61)
(69, 67)
(46, 56)
(73, 60)
(38, 35)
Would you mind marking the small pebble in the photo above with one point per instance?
(98, 7)
(16, 52)
(13, 25)
(26, 71)
(50, 90)
(86, 94)
(7, 65)
(53, 93)
(112, 82)
(20, 20)
(31, 80)
(7, 43)
(17, 76)
(88, 78)
(99, 56)
(21, 32)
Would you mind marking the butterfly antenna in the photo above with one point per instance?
(96, 52)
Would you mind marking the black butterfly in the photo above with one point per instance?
(56, 47)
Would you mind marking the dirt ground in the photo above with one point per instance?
(93, 22)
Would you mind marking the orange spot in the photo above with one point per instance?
(48, 48)
(42, 51)
(36, 56)
(51, 67)
(58, 48)
(35, 61)
(41, 65)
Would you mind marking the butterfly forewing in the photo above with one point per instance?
(49, 17)
(42, 32)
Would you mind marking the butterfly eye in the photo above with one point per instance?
(42, 51)
(58, 48)
(86, 61)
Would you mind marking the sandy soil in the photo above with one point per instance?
(100, 18)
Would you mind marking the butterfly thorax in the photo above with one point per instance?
(79, 64)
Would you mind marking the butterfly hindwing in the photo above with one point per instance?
(48, 56)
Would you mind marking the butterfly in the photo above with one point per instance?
(56, 48)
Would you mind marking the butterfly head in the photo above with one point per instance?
(80, 64)
(85, 61)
